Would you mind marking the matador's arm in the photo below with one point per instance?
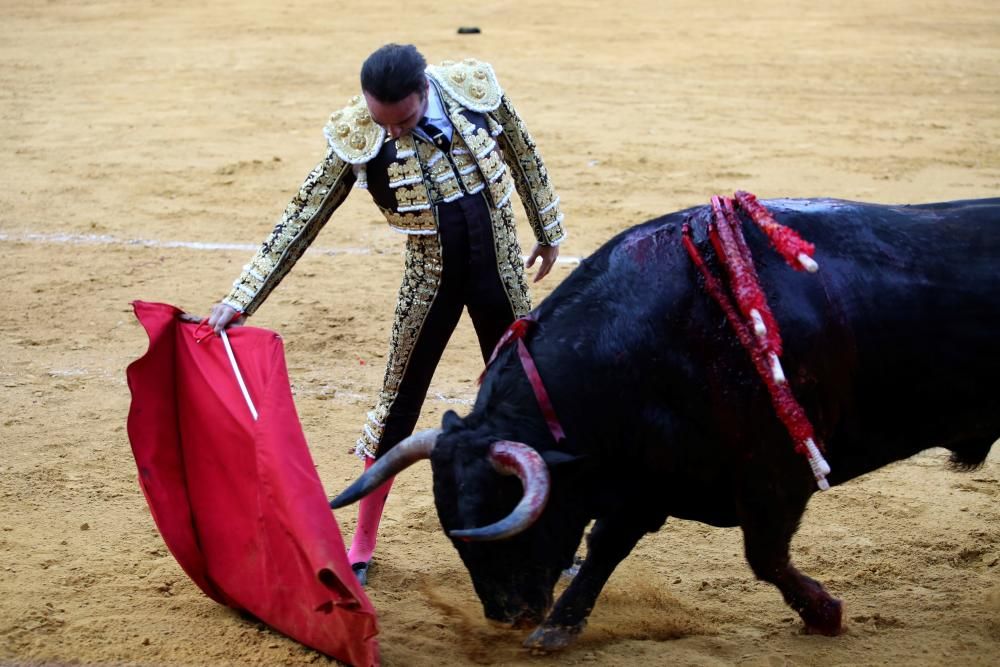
(530, 176)
(326, 188)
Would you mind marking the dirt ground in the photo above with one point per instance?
(148, 146)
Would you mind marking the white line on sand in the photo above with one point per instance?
(105, 239)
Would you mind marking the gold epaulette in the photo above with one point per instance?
(352, 133)
(471, 82)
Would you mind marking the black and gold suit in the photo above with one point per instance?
(453, 204)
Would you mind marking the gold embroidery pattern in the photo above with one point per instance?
(529, 174)
(406, 172)
(421, 279)
(324, 189)
(472, 82)
(352, 132)
(469, 172)
(492, 166)
(480, 143)
(417, 222)
(461, 123)
(448, 189)
(494, 126)
(551, 218)
(471, 168)
(478, 140)
(501, 190)
(509, 264)
(432, 160)
(413, 198)
(442, 184)
(405, 146)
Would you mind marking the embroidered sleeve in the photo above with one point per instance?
(326, 188)
(530, 176)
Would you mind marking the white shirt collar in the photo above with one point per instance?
(435, 111)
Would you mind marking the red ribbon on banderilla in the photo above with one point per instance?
(516, 333)
(750, 317)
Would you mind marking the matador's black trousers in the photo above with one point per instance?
(445, 273)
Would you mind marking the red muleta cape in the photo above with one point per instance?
(238, 502)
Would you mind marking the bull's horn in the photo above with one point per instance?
(514, 458)
(403, 455)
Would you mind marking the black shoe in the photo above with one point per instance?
(361, 572)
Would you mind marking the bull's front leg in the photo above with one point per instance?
(766, 539)
(609, 542)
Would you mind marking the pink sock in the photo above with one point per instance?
(369, 515)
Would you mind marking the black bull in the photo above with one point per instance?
(893, 347)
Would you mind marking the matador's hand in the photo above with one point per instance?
(224, 316)
(548, 254)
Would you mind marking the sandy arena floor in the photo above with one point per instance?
(135, 134)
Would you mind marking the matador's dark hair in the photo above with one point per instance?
(393, 72)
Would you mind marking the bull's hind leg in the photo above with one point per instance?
(609, 542)
(767, 535)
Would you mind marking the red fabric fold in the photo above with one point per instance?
(238, 502)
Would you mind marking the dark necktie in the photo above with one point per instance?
(436, 134)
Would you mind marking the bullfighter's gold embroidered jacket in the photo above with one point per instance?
(491, 153)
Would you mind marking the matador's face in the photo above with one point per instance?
(398, 118)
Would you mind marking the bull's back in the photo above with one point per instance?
(895, 338)
(915, 291)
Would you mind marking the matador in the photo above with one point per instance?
(440, 149)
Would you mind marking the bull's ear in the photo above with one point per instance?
(553, 457)
(450, 420)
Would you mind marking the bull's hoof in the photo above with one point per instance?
(825, 618)
(548, 638)
(525, 622)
